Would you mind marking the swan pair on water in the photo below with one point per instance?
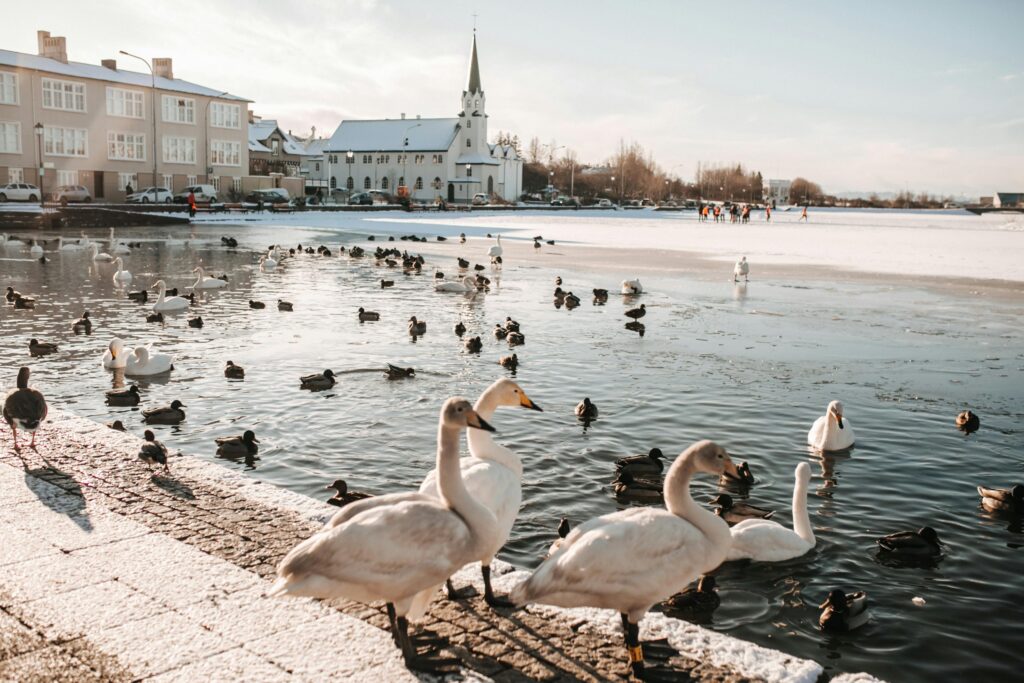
(141, 362)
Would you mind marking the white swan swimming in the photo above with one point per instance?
(742, 269)
(467, 285)
(204, 281)
(166, 303)
(68, 246)
(399, 547)
(116, 247)
(8, 241)
(830, 432)
(122, 276)
(115, 357)
(144, 362)
(632, 559)
(35, 250)
(94, 251)
(492, 474)
(496, 250)
(632, 287)
(764, 540)
(268, 262)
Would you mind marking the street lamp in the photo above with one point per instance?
(405, 155)
(39, 144)
(152, 76)
(469, 169)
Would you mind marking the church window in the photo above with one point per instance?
(334, 182)
(437, 183)
(366, 183)
(469, 143)
(469, 123)
(476, 104)
(384, 183)
(401, 181)
(469, 171)
(490, 184)
(350, 183)
(419, 183)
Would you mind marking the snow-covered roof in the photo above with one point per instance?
(476, 158)
(262, 129)
(503, 151)
(102, 73)
(257, 146)
(316, 147)
(388, 135)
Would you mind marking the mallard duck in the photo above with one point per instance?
(516, 338)
(642, 464)
(343, 496)
(284, 305)
(117, 426)
(734, 513)
(165, 415)
(559, 295)
(1003, 500)
(24, 302)
(558, 281)
(843, 612)
(637, 313)
(318, 382)
(124, 397)
(238, 446)
(232, 371)
(395, 372)
(738, 474)
(697, 602)
(38, 348)
(499, 331)
(83, 325)
(24, 408)
(12, 294)
(463, 263)
(153, 452)
(460, 329)
(511, 325)
(967, 422)
(141, 296)
(586, 410)
(387, 283)
(921, 543)
(462, 238)
(417, 327)
(368, 316)
(257, 304)
(571, 301)
(474, 345)
(626, 486)
(155, 318)
(196, 322)
(477, 266)
(509, 362)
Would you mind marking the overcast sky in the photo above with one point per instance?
(855, 95)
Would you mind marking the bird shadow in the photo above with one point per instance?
(174, 487)
(71, 502)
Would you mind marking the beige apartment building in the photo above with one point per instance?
(97, 126)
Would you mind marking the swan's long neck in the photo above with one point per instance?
(163, 292)
(801, 519)
(680, 503)
(481, 442)
(453, 491)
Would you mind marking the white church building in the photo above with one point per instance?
(448, 158)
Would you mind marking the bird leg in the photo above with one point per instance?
(32, 445)
(391, 620)
(635, 652)
(489, 597)
(458, 594)
(14, 432)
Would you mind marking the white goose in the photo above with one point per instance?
(116, 247)
(764, 540)
(144, 362)
(204, 281)
(467, 285)
(829, 433)
(97, 255)
(495, 250)
(122, 276)
(164, 303)
(632, 559)
(115, 357)
(35, 250)
(632, 287)
(492, 474)
(400, 547)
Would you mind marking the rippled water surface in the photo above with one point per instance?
(749, 366)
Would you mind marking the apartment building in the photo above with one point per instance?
(105, 127)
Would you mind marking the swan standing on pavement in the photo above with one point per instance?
(144, 362)
(467, 285)
(204, 281)
(166, 303)
(493, 475)
(400, 547)
(122, 276)
(766, 541)
(632, 559)
(114, 357)
(94, 251)
(829, 433)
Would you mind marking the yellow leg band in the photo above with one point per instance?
(636, 654)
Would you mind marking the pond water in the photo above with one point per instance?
(750, 366)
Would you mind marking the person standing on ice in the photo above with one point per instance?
(768, 213)
(803, 214)
(191, 204)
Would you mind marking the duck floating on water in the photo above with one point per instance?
(83, 325)
(509, 362)
(586, 410)
(843, 612)
(417, 327)
(342, 495)
(123, 397)
(1003, 500)
(695, 603)
(921, 543)
(395, 372)
(474, 345)
(734, 513)
(967, 422)
(651, 463)
(738, 474)
(165, 415)
(318, 381)
(238, 446)
(232, 371)
(627, 487)
(37, 348)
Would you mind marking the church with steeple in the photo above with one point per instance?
(447, 158)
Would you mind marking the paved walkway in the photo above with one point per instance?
(108, 575)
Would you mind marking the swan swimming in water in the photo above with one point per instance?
(632, 287)
(35, 250)
(144, 362)
(122, 276)
(829, 432)
(166, 303)
(68, 246)
(467, 285)
(764, 540)
(399, 547)
(268, 262)
(115, 357)
(94, 251)
(116, 247)
(204, 281)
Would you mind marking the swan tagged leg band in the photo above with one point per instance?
(636, 653)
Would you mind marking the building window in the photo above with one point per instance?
(401, 181)
(469, 143)
(318, 166)
(225, 115)
(65, 142)
(490, 184)
(384, 183)
(236, 184)
(275, 147)
(15, 175)
(10, 138)
(179, 109)
(191, 180)
(419, 183)
(437, 183)
(168, 181)
(367, 159)
(179, 150)
(440, 158)
(215, 181)
(350, 184)
(67, 177)
(366, 183)
(126, 146)
(8, 88)
(126, 103)
(476, 104)
(126, 179)
(66, 95)
(225, 153)
(334, 182)
(469, 123)
(469, 171)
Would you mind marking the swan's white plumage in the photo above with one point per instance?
(116, 247)
(36, 250)
(122, 276)
(467, 285)
(166, 304)
(496, 249)
(742, 268)
(144, 362)
(204, 281)
(826, 434)
(765, 540)
(268, 262)
(68, 246)
(632, 287)
(94, 250)
(115, 357)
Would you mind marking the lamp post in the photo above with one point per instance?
(551, 180)
(469, 169)
(350, 157)
(207, 169)
(405, 155)
(39, 145)
(152, 76)
(612, 188)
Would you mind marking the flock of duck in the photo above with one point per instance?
(402, 548)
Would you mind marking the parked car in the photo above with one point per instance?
(72, 193)
(604, 203)
(361, 199)
(270, 195)
(565, 201)
(154, 195)
(204, 194)
(19, 192)
(481, 199)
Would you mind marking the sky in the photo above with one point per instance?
(857, 96)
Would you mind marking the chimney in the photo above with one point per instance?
(403, 115)
(55, 47)
(162, 67)
(109, 64)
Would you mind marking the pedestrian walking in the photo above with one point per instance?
(768, 213)
(803, 214)
(191, 204)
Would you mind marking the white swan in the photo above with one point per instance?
(204, 281)
(829, 432)
(496, 249)
(399, 547)
(742, 269)
(764, 540)
(84, 241)
(8, 241)
(268, 262)
(467, 285)
(166, 303)
(116, 247)
(122, 276)
(492, 474)
(94, 251)
(35, 250)
(632, 287)
(144, 362)
(68, 246)
(632, 559)
(114, 356)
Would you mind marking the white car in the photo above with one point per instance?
(604, 203)
(203, 193)
(19, 192)
(151, 195)
(481, 199)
